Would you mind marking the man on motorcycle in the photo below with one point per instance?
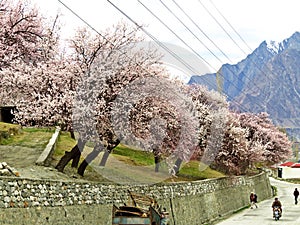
(277, 203)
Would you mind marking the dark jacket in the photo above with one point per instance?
(253, 197)
(296, 193)
(276, 203)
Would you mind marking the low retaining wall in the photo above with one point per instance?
(225, 197)
(25, 201)
(45, 158)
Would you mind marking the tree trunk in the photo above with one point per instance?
(88, 159)
(67, 158)
(75, 161)
(109, 149)
(104, 158)
(74, 153)
(157, 160)
(76, 158)
(177, 165)
(72, 134)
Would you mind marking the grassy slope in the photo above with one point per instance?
(21, 150)
(8, 126)
(189, 171)
(38, 138)
(7, 130)
(26, 137)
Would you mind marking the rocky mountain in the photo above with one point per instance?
(267, 80)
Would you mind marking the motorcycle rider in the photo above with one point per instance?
(277, 203)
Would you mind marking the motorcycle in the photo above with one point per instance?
(276, 213)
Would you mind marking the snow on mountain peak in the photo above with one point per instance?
(273, 46)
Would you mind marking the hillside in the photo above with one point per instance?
(21, 150)
(268, 80)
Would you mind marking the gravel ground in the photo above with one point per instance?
(22, 159)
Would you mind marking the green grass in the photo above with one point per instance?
(132, 156)
(29, 137)
(188, 172)
(191, 171)
(8, 126)
(7, 130)
(64, 143)
(39, 137)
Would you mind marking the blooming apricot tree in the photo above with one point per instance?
(109, 89)
(261, 131)
(108, 63)
(250, 139)
(21, 31)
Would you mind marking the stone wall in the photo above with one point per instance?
(25, 201)
(223, 197)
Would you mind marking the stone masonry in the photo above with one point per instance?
(184, 200)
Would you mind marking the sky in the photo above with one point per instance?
(212, 32)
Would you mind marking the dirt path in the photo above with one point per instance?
(23, 159)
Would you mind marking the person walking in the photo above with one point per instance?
(296, 194)
(253, 200)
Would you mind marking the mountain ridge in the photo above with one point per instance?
(267, 80)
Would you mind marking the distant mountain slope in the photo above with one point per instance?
(266, 80)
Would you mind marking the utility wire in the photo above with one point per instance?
(196, 37)
(181, 9)
(221, 27)
(184, 42)
(103, 35)
(235, 43)
(144, 30)
(237, 33)
(82, 20)
(254, 53)
(170, 11)
(152, 37)
(180, 21)
(155, 39)
(153, 14)
(139, 27)
(246, 77)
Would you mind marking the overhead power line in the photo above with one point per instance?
(139, 27)
(103, 35)
(184, 42)
(151, 36)
(221, 26)
(84, 21)
(188, 66)
(237, 33)
(173, 32)
(183, 11)
(215, 19)
(195, 36)
(251, 81)
(145, 31)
